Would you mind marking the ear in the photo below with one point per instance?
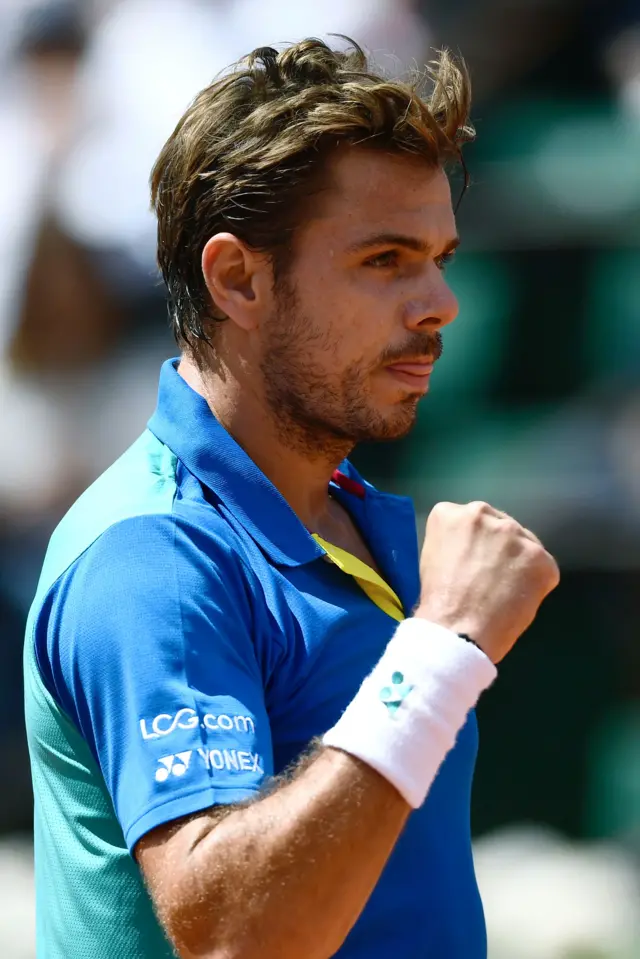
(238, 279)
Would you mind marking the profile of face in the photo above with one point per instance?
(348, 351)
(348, 336)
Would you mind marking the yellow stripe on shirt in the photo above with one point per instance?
(376, 588)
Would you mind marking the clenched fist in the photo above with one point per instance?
(483, 574)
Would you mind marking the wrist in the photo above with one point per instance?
(461, 626)
(434, 613)
(406, 716)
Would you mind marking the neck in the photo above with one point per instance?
(302, 477)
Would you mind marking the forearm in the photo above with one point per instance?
(290, 874)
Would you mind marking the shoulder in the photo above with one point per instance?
(153, 597)
(159, 568)
(133, 526)
(135, 554)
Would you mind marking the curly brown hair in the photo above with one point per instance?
(249, 153)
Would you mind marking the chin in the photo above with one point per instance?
(393, 427)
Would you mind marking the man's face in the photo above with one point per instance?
(346, 356)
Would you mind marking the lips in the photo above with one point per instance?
(413, 375)
(413, 369)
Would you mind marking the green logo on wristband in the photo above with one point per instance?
(393, 696)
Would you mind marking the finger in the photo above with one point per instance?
(501, 514)
(532, 536)
(529, 534)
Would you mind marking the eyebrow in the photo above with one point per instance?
(399, 239)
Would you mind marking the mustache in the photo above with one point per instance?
(420, 344)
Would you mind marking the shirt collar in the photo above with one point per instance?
(184, 422)
(388, 523)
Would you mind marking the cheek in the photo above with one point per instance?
(350, 324)
(346, 350)
(360, 339)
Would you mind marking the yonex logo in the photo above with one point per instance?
(230, 760)
(393, 696)
(176, 765)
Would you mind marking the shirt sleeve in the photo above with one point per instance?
(149, 647)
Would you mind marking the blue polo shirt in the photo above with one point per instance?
(188, 639)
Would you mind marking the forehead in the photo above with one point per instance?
(372, 192)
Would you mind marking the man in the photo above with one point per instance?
(249, 701)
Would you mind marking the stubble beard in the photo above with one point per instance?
(320, 416)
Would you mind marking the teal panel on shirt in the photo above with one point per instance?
(91, 901)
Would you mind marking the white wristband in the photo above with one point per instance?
(405, 717)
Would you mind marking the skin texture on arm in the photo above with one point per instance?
(285, 876)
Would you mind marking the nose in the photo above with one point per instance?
(436, 308)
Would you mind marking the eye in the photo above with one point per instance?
(387, 259)
(443, 261)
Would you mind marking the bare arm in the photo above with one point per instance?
(286, 876)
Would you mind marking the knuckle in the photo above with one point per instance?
(537, 552)
(478, 508)
(532, 536)
(511, 526)
(554, 571)
(534, 556)
(546, 564)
